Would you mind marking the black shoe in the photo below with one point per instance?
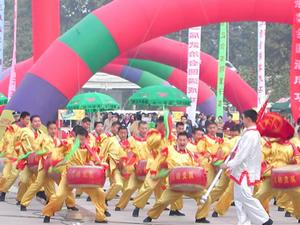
(269, 222)
(107, 214)
(73, 208)
(2, 196)
(18, 203)
(136, 212)
(280, 209)
(47, 219)
(232, 204)
(147, 220)
(117, 209)
(202, 220)
(176, 213)
(103, 221)
(23, 208)
(287, 214)
(215, 214)
(88, 199)
(42, 195)
(166, 209)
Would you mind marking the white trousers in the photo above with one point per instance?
(248, 208)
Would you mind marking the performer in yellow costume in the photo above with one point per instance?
(112, 152)
(139, 149)
(218, 149)
(51, 145)
(280, 154)
(32, 140)
(81, 157)
(10, 150)
(197, 135)
(212, 148)
(226, 197)
(155, 142)
(175, 158)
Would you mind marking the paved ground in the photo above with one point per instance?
(11, 215)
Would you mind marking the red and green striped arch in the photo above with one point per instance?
(115, 28)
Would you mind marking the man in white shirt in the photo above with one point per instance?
(245, 170)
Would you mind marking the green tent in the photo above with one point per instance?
(283, 105)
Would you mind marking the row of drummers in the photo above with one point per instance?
(145, 162)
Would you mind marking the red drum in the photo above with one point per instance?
(86, 176)
(140, 170)
(49, 163)
(187, 179)
(286, 177)
(33, 162)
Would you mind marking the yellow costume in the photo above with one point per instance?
(278, 155)
(9, 146)
(218, 149)
(139, 148)
(226, 198)
(175, 159)
(31, 141)
(211, 148)
(155, 143)
(112, 152)
(54, 148)
(81, 157)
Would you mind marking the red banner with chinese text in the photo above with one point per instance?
(295, 63)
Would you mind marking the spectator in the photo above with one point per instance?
(229, 123)
(220, 124)
(179, 127)
(86, 123)
(126, 120)
(108, 122)
(187, 127)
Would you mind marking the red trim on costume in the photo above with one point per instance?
(140, 139)
(216, 139)
(153, 172)
(165, 151)
(245, 173)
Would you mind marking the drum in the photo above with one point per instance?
(86, 176)
(49, 163)
(33, 162)
(187, 179)
(286, 177)
(140, 170)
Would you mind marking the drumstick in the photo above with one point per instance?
(216, 179)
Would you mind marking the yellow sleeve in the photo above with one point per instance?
(26, 139)
(201, 146)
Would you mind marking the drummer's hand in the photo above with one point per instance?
(91, 163)
(224, 166)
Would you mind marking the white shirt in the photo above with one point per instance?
(247, 160)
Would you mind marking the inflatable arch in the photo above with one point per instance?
(77, 54)
(206, 97)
